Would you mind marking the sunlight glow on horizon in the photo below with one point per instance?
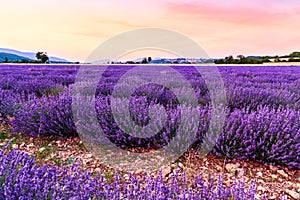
(73, 29)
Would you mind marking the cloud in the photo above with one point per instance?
(232, 12)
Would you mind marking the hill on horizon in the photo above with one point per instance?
(29, 55)
(11, 57)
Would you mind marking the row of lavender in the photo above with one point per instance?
(262, 112)
(21, 178)
(246, 86)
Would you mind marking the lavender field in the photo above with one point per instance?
(262, 125)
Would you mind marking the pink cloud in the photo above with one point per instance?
(248, 14)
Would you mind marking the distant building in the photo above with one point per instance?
(283, 59)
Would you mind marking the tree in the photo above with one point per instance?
(295, 54)
(229, 59)
(149, 59)
(145, 61)
(277, 59)
(241, 57)
(6, 60)
(42, 56)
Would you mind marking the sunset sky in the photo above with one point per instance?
(73, 29)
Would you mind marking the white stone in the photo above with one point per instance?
(282, 173)
(166, 170)
(260, 188)
(89, 155)
(230, 167)
(293, 194)
(180, 165)
(139, 171)
(30, 145)
(257, 196)
(259, 174)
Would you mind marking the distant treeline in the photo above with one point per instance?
(240, 60)
(21, 61)
(293, 57)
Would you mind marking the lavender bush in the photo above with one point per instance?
(271, 135)
(48, 115)
(21, 178)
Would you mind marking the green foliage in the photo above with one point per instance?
(295, 54)
(240, 60)
(42, 56)
(145, 61)
(53, 91)
(293, 57)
